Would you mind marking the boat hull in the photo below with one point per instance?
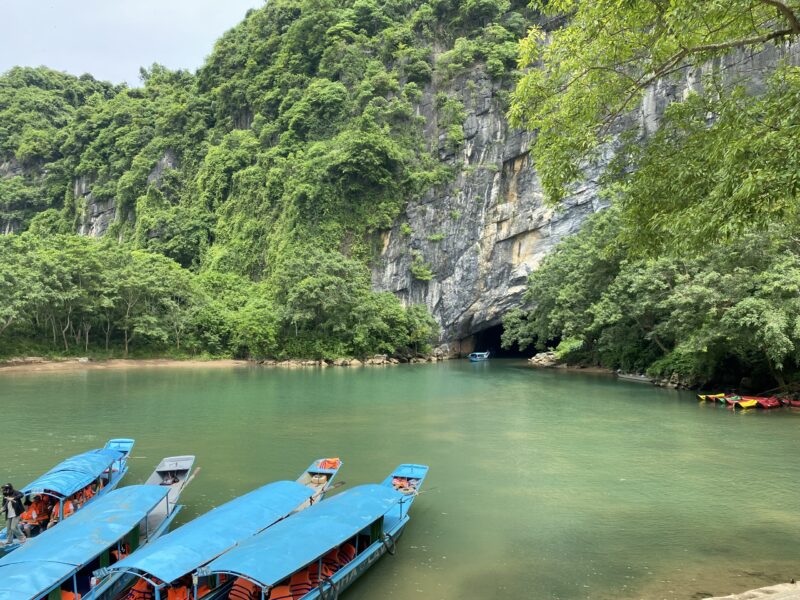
(347, 575)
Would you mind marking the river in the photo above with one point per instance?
(543, 484)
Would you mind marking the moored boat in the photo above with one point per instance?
(58, 563)
(73, 484)
(634, 377)
(478, 356)
(711, 397)
(163, 569)
(318, 553)
(766, 403)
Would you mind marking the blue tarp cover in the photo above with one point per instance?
(275, 554)
(74, 473)
(46, 560)
(193, 545)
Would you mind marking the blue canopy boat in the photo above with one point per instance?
(318, 553)
(102, 469)
(58, 564)
(168, 562)
(478, 356)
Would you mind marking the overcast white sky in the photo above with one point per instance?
(111, 39)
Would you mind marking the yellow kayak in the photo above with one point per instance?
(710, 397)
(746, 403)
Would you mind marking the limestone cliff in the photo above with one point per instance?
(482, 234)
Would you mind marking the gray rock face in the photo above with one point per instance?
(486, 231)
(9, 167)
(483, 233)
(168, 161)
(96, 215)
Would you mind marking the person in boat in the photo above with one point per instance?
(69, 508)
(13, 509)
(35, 517)
(88, 492)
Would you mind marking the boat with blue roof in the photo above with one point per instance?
(73, 484)
(163, 570)
(478, 356)
(58, 564)
(316, 554)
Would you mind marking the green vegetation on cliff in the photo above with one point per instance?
(695, 268)
(247, 198)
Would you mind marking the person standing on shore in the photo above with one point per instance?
(13, 509)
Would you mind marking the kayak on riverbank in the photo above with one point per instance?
(736, 401)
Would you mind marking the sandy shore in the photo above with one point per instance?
(782, 591)
(78, 364)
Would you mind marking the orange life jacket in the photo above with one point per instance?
(36, 513)
(88, 493)
(178, 592)
(140, 591)
(69, 508)
(65, 595)
(244, 589)
(281, 592)
(330, 463)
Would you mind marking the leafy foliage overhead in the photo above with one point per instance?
(586, 74)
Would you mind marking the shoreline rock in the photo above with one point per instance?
(376, 360)
(544, 360)
(781, 591)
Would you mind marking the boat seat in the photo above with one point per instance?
(141, 591)
(300, 584)
(314, 574)
(347, 552)
(331, 561)
(281, 592)
(180, 592)
(243, 589)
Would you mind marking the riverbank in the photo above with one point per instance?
(549, 360)
(35, 364)
(40, 364)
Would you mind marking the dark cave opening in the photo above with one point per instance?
(490, 339)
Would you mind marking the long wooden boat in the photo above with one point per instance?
(634, 377)
(173, 474)
(164, 568)
(58, 564)
(96, 472)
(478, 356)
(318, 553)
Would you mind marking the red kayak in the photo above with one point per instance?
(792, 403)
(761, 402)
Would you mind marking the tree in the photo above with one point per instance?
(584, 77)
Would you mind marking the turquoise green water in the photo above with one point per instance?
(543, 484)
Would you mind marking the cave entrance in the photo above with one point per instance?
(490, 339)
